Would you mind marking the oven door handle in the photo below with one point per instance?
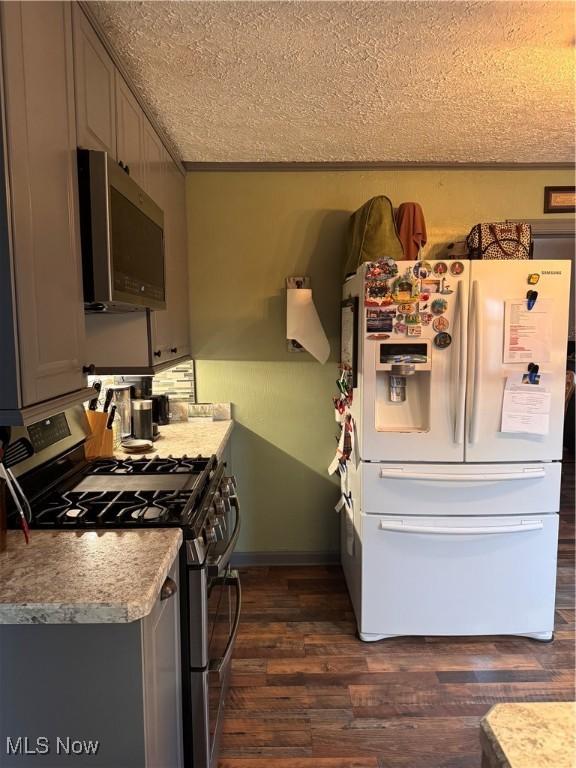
(216, 567)
(219, 666)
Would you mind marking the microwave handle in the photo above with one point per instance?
(219, 665)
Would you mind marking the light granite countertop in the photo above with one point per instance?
(88, 577)
(194, 438)
(531, 735)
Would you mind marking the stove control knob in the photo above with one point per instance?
(219, 532)
(210, 536)
(220, 525)
(229, 486)
(219, 505)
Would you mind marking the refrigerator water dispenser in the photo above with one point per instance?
(403, 386)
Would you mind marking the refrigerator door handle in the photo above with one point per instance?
(443, 477)
(440, 530)
(459, 371)
(475, 364)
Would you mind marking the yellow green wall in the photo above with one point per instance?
(247, 232)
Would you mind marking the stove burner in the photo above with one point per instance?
(152, 512)
(74, 513)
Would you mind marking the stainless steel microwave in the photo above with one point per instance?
(122, 235)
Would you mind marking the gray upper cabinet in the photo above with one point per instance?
(129, 131)
(177, 286)
(95, 86)
(42, 317)
(154, 160)
(110, 117)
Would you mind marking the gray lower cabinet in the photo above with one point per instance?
(65, 687)
(42, 341)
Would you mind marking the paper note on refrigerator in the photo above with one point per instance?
(527, 332)
(526, 407)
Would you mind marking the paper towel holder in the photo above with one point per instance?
(304, 331)
(297, 282)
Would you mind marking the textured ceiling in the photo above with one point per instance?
(354, 81)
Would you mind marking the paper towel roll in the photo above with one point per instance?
(303, 324)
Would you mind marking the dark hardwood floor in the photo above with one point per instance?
(306, 693)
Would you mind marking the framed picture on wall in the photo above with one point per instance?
(559, 199)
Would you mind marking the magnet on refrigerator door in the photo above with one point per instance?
(379, 320)
(440, 324)
(431, 285)
(533, 278)
(445, 287)
(422, 269)
(442, 340)
(377, 294)
(382, 268)
(439, 306)
(405, 289)
(456, 268)
(415, 330)
(440, 268)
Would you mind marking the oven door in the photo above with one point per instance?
(209, 685)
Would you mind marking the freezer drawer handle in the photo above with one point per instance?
(439, 530)
(399, 474)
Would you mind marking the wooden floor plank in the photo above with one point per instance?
(307, 693)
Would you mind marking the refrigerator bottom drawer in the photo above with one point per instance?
(461, 489)
(458, 575)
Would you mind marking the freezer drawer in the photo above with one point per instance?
(458, 575)
(460, 489)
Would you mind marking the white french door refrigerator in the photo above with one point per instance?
(452, 527)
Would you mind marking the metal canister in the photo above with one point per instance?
(142, 419)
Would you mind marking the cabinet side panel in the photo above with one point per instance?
(9, 365)
(82, 681)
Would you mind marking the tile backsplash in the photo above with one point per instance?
(179, 383)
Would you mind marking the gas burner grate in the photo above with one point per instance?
(112, 509)
(148, 466)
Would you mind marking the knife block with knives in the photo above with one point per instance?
(101, 443)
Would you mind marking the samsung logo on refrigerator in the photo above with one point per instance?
(551, 272)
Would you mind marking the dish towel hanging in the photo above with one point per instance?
(411, 229)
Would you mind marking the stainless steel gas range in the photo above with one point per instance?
(67, 492)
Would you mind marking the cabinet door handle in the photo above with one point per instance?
(158, 353)
(89, 369)
(169, 588)
(173, 350)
